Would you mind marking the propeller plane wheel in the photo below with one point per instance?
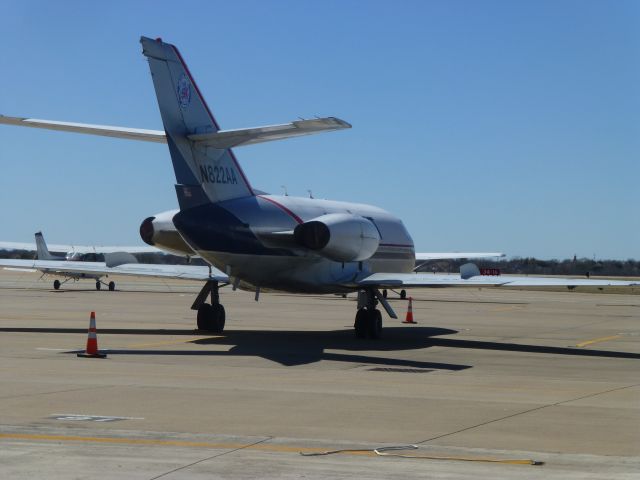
(56, 284)
(112, 286)
(211, 317)
(98, 285)
(403, 294)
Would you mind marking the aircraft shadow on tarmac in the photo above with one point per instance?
(290, 348)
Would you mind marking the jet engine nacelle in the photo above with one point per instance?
(342, 237)
(160, 231)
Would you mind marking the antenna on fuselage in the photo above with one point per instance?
(284, 187)
(310, 193)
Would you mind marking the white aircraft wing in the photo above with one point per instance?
(187, 272)
(219, 139)
(417, 280)
(423, 257)
(251, 136)
(157, 136)
(79, 248)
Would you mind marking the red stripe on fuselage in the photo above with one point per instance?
(283, 208)
(195, 85)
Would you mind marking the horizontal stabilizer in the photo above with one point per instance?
(250, 136)
(157, 136)
(221, 139)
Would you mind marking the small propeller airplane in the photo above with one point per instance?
(71, 252)
(254, 240)
(112, 256)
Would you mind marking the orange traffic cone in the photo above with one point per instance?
(409, 317)
(92, 341)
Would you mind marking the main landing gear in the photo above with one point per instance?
(403, 294)
(211, 317)
(368, 322)
(111, 285)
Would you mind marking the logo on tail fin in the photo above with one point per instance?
(184, 91)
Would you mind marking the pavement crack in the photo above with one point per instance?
(524, 412)
(211, 457)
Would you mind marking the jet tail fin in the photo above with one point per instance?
(213, 169)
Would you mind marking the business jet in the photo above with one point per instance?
(254, 240)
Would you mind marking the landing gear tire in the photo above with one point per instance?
(98, 285)
(211, 317)
(56, 284)
(374, 324)
(220, 317)
(360, 324)
(112, 286)
(205, 312)
(368, 324)
(384, 293)
(403, 294)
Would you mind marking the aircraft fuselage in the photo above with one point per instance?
(250, 239)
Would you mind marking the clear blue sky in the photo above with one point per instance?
(485, 125)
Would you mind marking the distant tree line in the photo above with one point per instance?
(535, 266)
(515, 265)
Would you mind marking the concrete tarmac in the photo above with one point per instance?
(487, 379)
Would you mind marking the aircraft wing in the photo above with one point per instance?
(423, 257)
(79, 248)
(418, 280)
(220, 139)
(60, 267)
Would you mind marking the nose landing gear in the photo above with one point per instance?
(368, 322)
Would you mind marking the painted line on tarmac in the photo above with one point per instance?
(166, 443)
(598, 340)
(90, 418)
(261, 445)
